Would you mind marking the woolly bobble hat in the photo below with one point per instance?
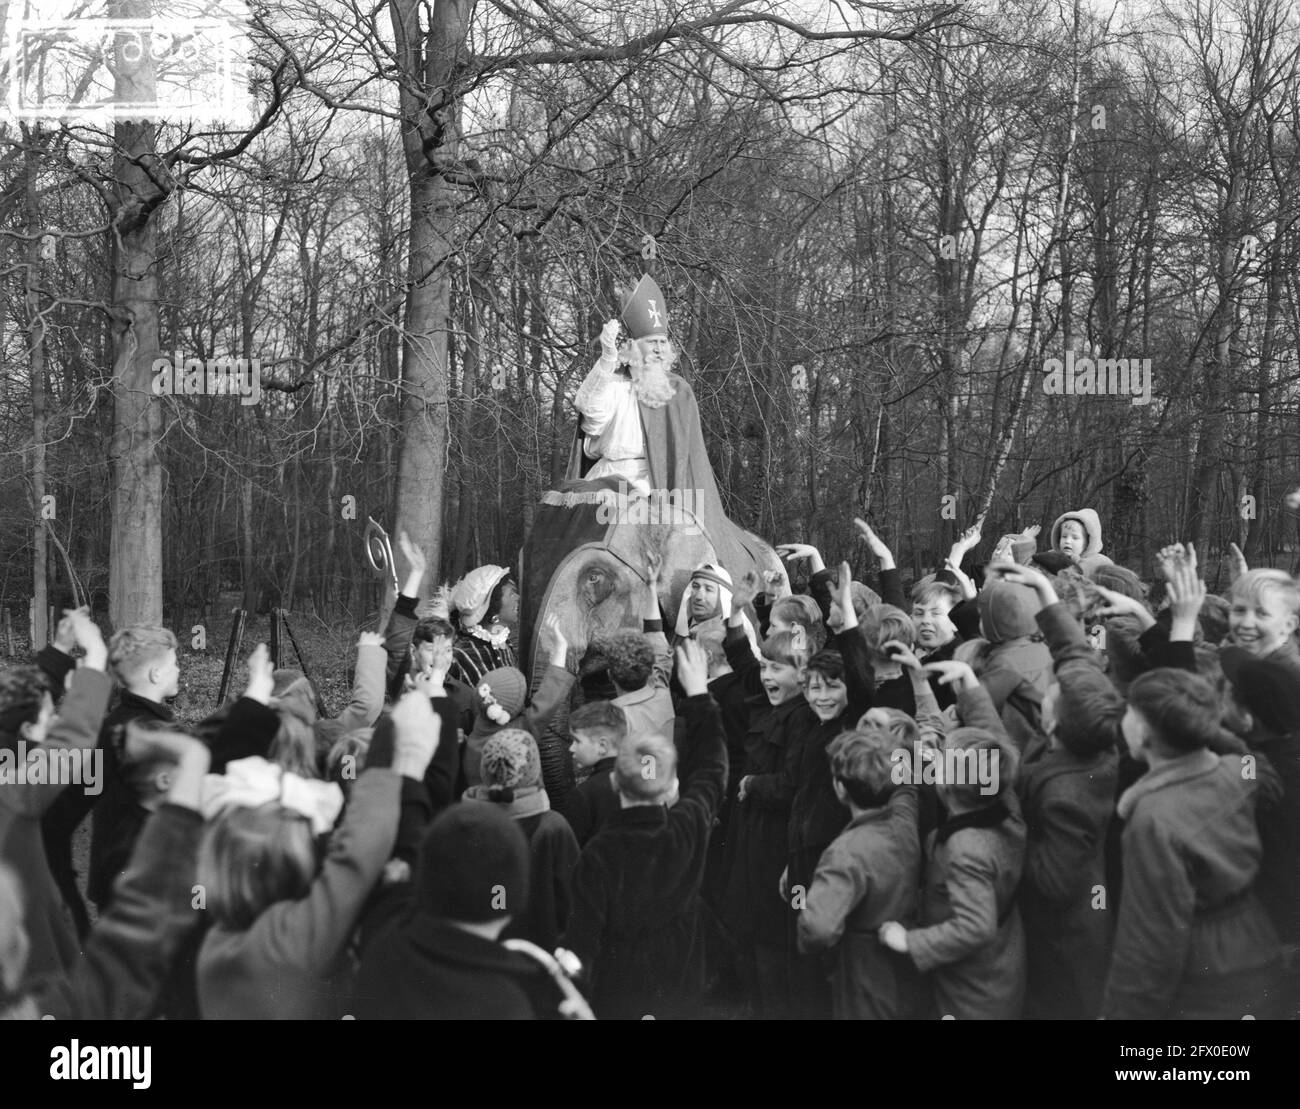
(509, 689)
(1007, 611)
(1120, 579)
(473, 591)
(511, 760)
(473, 865)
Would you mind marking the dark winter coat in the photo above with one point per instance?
(1192, 941)
(589, 806)
(869, 875)
(637, 915)
(971, 937)
(49, 925)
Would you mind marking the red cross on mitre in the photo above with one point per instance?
(645, 312)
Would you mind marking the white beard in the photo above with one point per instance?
(653, 386)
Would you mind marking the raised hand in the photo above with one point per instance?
(968, 540)
(844, 586)
(87, 636)
(1032, 531)
(654, 565)
(416, 564)
(776, 583)
(1167, 556)
(1120, 604)
(1013, 572)
(1239, 564)
(968, 590)
(261, 675)
(692, 668)
(1186, 595)
(65, 638)
(609, 339)
(901, 653)
(559, 644)
(429, 682)
(877, 545)
(744, 591)
(792, 552)
(957, 674)
(370, 639)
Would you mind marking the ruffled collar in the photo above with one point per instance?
(497, 637)
(524, 801)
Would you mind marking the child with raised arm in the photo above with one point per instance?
(869, 875)
(28, 726)
(758, 842)
(1067, 793)
(969, 936)
(280, 917)
(637, 916)
(130, 950)
(142, 662)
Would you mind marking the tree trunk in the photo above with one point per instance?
(135, 553)
(429, 139)
(40, 629)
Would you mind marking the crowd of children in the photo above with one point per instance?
(1039, 788)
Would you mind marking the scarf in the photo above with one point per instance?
(518, 803)
(988, 817)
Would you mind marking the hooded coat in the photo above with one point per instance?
(1017, 667)
(1091, 522)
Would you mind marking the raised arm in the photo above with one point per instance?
(368, 685)
(130, 950)
(78, 722)
(313, 932)
(595, 398)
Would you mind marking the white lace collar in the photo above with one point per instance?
(496, 638)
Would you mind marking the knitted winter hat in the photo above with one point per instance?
(474, 590)
(1120, 579)
(1051, 562)
(511, 760)
(505, 692)
(473, 865)
(1266, 688)
(1007, 611)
